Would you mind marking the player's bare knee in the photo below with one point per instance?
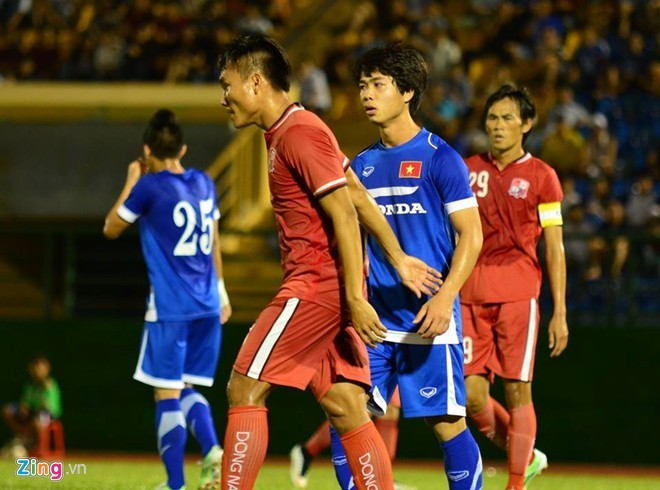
(477, 393)
(244, 391)
(517, 393)
(345, 406)
(447, 427)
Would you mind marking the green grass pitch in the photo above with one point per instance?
(145, 473)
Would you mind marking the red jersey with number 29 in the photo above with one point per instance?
(515, 204)
(305, 163)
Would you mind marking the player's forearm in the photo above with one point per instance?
(376, 224)
(465, 258)
(556, 264)
(347, 233)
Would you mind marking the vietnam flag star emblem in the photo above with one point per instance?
(411, 170)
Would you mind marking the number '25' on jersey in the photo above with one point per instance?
(176, 215)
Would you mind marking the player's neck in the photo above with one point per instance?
(398, 131)
(505, 157)
(172, 165)
(273, 108)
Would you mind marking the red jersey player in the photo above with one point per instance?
(519, 198)
(302, 338)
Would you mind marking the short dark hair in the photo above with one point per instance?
(164, 135)
(404, 64)
(250, 53)
(520, 96)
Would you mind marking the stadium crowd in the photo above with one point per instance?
(592, 67)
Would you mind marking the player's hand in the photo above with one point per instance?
(225, 313)
(136, 169)
(558, 335)
(366, 323)
(434, 316)
(419, 277)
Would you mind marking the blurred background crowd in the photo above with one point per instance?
(592, 67)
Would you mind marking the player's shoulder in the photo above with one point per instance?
(541, 165)
(366, 153)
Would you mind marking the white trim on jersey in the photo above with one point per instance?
(271, 339)
(453, 407)
(143, 377)
(449, 337)
(151, 315)
(429, 141)
(294, 108)
(346, 163)
(392, 191)
(469, 202)
(526, 371)
(197, 380)
(329, 185)
(127, 215)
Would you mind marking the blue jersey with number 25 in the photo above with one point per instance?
(177, 213)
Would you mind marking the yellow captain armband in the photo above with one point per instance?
(550, 214)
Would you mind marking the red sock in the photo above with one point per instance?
(493, 422)
(319, 440)
(367, 457)
(246, 440)
(522, 433)
(389, 431)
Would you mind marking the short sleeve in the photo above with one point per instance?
(137, 202)
(450, 175)
(550, 200)
(313, 156)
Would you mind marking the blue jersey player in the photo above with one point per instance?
(421, 185)
(177, 213)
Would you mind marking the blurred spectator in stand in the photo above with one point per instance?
(581, 247)
(565, 150)
(616, 232)
(642, 203)
(571, 196)
(599, 199)
(602, 149)
(314, 89)
(254, 22)
(592, 55)
(573, 114)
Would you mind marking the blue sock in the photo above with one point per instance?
(463, 462)
(339, 461)
(171, 433)
(197, 411)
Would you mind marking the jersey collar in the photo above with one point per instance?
(285, 115)
(522, 159)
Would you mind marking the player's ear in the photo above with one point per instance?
(183, 151)
(256, 81)
(146, 150)
(408, 96)
(527, 125)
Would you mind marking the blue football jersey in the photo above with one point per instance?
(416, 185)
(177, 213)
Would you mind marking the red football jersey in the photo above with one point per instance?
(514, 205)
(304, 163)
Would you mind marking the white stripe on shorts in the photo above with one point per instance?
(271, 339)
(453, 408)
(526, 371)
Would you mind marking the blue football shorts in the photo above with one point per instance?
(429, 376)
(175, 353)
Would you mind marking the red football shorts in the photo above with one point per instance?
(299, 344)
(500, 339)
